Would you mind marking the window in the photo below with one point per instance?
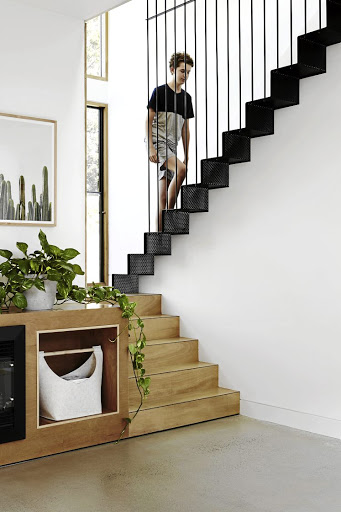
(97, 207)
(97, 47)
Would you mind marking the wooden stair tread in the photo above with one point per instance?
(178, 368)
(188, 397)
(145, 317)
(165, 341)
(132, 295)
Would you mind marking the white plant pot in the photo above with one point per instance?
(38, 300)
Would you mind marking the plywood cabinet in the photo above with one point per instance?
(71, 328)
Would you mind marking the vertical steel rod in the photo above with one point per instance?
(196, 92)
(240, 66)
(277, 15)
(228, 66)
(148, 135)
(264, 48)
(185, 102)
(206, 102)
(320, 14)
(157, 115)
(176, 112)
(217, 70)
(291, 45)
(252, 57)
(166, 102)
(305, 16)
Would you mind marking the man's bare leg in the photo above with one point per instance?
(177, 181)
(163, 187)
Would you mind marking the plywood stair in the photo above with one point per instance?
(184, 390)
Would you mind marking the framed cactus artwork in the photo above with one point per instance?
(28, 167)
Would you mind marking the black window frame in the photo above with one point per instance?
(101, 192)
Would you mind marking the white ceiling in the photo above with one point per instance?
(83, 9)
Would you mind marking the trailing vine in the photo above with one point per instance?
(107, 294)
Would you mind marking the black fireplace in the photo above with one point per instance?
(12, 383)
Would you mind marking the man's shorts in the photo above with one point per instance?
(165, 152)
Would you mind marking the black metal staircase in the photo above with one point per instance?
(259, 116)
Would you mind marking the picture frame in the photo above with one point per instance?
(28, 170)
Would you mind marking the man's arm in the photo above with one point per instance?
(185, 139)
(149, 138)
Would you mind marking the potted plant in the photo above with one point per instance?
(44, 275)
(51, 264)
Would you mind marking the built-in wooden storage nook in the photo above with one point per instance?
(68, 349)
(71, 329)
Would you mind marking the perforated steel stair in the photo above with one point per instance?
(260, 121)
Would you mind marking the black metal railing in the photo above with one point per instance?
(235, 45)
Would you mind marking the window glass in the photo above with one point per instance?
(93, 149)
(96, 46)
(93, 239)
(95, 198)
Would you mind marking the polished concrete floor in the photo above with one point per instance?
(228, 465)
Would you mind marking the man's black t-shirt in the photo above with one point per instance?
(163, 100)
(170, 112)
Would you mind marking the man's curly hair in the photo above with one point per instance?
(178, 58)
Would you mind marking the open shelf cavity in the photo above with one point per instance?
(71, 342)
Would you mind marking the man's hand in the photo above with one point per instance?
(153, 155)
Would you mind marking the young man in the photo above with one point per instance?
(169, 111)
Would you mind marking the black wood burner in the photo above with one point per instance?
(12, 384)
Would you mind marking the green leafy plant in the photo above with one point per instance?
(54, 264)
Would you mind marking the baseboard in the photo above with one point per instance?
(303, 421)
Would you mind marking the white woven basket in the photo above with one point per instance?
(73, 395)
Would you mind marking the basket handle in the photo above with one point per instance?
(65, 352)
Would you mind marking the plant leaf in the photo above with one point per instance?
(55, 251)
(34, 264)
(132, 349)
(78, 270)
(53, 275)
(69, 254)
(63, 290)
(64, 265)
(6, 254)
(5, 267)
(140, 323)
(19, 300)
(24, 266)
(28, 283)
(43, 242)
(22, 247)
(79, 295)
(39, 284)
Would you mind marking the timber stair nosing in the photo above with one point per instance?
(169, 369)
(187, 400)
(169, 341)
(147, 317)
(143, 294)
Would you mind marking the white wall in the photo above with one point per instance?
(258, 279)
(42, 75)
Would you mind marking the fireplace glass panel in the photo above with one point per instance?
(12, 383)
(6, 384)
